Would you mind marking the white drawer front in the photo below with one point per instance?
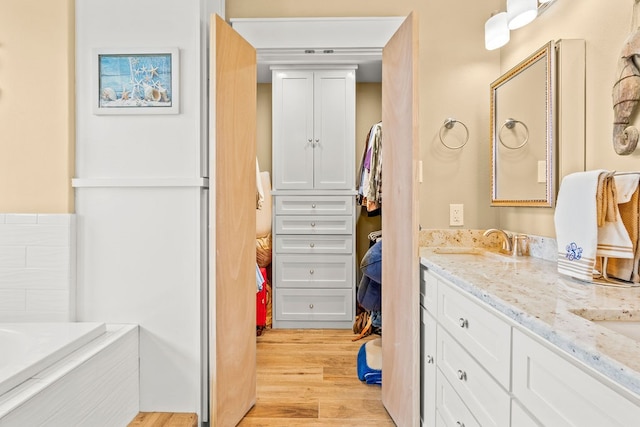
(483, 334)
(314, 224)
(488, 402)
(450, 407)
(519, 418)
(314, 205)
(558, 392)
(332, 244)
(314, 304)
(428, 368)
(428, 290)
(313, 271)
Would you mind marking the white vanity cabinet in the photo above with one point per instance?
(313, 171)
(492, 371)
(313, 128)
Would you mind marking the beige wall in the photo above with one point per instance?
(604, 25)
(454, 70)
(36, 105)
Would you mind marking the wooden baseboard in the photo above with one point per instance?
(164, 419)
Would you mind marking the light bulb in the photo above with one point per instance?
(521, 12)
(496, 31)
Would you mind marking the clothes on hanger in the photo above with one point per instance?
(370, 172)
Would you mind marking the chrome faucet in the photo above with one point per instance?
(507, 243)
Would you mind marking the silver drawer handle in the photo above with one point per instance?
(311, 271)
(312, 244)
(462, 375)
(464, 323)
(313, 224)
(429, 359)
(313, 205)
(460, 424)
(310, 305)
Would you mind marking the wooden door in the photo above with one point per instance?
(400, 260)
(232, 225)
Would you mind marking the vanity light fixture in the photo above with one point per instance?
(521, 12)
(496, 31)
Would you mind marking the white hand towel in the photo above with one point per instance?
(576, 224)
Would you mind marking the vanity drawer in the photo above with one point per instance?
(314, 205)
(311, 224)
(487, 401)
(325, 244)
(314, 304)
(428, 290)
(312, 271)
(483, 334)
(450, 407)
(558, 391)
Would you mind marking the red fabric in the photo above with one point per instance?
(261, 301)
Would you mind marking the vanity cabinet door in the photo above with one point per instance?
(519, 418)
(484, 335)
(428, 368)
(560, 392)
(428, 290)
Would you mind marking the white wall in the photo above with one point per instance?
(139, 197)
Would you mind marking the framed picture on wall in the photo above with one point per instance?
(136, 81)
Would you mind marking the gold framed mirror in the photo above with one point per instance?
(522, 132)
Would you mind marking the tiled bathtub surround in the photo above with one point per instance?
(37, 267)
(535, 246)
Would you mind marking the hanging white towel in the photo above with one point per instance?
(579, 238)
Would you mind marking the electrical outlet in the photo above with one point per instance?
(456, 214)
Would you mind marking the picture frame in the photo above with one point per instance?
(136, 81)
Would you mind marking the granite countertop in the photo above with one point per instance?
(531, 292)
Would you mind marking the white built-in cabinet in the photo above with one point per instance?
(313, 197)
(479, 368)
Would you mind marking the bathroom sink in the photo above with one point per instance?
(626, 323)
(479, 252)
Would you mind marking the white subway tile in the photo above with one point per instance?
(47, 300)
(13, 256)
(55, 219)
(35, 278)
(42, 235)
(21, 219)
(12, 300)
(47, 257)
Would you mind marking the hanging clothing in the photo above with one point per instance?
(370, 182)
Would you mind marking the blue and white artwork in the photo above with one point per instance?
(133, 81)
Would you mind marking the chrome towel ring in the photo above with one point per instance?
(510, 124)
(449, 124)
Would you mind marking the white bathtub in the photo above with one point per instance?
(28, 348)
(64, 374)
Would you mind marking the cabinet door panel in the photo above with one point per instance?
(292, 130)
(314, 304)
(309, 271)
(334, 130)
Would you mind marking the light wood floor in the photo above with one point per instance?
(308, 378)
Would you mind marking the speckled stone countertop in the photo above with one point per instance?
(530, 291)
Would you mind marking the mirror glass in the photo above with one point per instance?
(522, 155)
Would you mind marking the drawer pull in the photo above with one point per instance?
(460, 424)
(313, 206)
(462, 375)
(311, 306)
(464, 323)
(312, 244)
(429, 359)
(311, 271)
(313, 224)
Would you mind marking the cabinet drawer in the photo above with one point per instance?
(312, 271)
(428, 368)
(314, 205)
(450, 407)
(481, 333)
(314, 304)
(486, 400)
(428, 290)
(310, 224)
(333, 244)
(562, 392)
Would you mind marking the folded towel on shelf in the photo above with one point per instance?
(369, 362)
(585, 200)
